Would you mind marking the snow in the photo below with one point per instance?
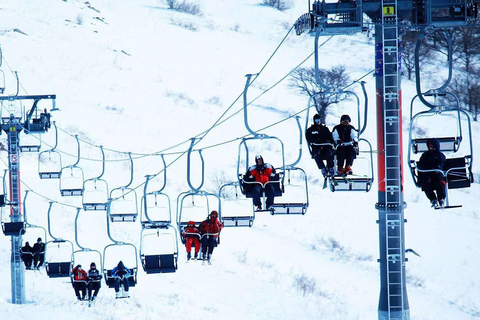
(133, 76)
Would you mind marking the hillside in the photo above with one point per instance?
(136, 77)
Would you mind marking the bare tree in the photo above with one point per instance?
(281, 5)
(407, 52)
(303, 80)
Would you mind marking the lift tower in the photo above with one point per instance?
(389, 17)
(32, 122)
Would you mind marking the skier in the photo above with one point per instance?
(94, 282)
(262, 172)
(344, 136)
(121, 274)
(192, 235)
(79, 282)
(321, 143)
(432, 181)
(38, 253)
(26, 253)
(210, 229)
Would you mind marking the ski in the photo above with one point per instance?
(325, 183)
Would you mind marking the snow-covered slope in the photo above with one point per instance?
(136, 77)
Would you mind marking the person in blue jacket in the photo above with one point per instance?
(121, 274)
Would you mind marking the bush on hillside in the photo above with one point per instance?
(281, 5)
(184, 6)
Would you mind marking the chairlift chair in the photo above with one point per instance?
(157, 230)
(2, 82)
(30, 142)
(58, 253)
(84, 255)
(50, 161)
(72, 178)
(123, 205)
(243, 216)
(159, 249)
(357, 182)
(95, 191)
(108, 268)
(456, 171)
(201, 204)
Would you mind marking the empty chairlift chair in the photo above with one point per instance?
(237, 211)
(50, 161)
(71, 178)
(158, 239)
(95, 191)
(58, 254)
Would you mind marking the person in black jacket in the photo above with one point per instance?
(432, 181)
(94, 282)
(321, 142)
(344, 136)
(26, 253)
(38, 253)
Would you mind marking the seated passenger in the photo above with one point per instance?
(121, 274)
(262, 172)
(94, 282)
(79, 282)
(192, 235)
(26, 253)
(433, 181)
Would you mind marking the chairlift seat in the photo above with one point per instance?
(161, 263)
(155, 224)
(30, 148)
(458, 175)
(448, 144)
(95, 206)
(239, 221)
(289, 208)
(353, 184)
(2, 200)
(13, 228)
(110, 280)
(71, 192)
(123, 217)
(58, 269)
(248, 187)
(49, 175)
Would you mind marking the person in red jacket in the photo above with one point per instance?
(79, 282)
(262, 172)
(210, 229)
(192, 235)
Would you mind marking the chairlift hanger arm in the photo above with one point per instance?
(417, 69)
(189, 167)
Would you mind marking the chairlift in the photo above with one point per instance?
(201, 201)
(13, 109)
(123, 247)
(295, 185)
(71, 177)
(38, 121)
(30, 142)
(95, 191)
(158, 239)
(246, 184)
(2, 82)
(364, 181)
(123, 205)
(58, 254)
(50, 161)
(456, 171)
(84, 255)
(236, 211)
(10, 228)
